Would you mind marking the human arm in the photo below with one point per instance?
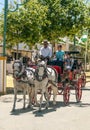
(50, 54)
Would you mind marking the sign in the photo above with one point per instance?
(2, 75)
(84, 38)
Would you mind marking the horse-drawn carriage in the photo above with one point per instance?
(72, 78)
(48, 78)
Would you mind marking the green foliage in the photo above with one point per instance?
(50, 19)
(25, 24)
(66, 17)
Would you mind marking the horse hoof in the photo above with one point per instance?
(23, 108)
(13, 110)
(54, 103)
(39, 110)
(36, 105)
(29, 106)
(46, 108)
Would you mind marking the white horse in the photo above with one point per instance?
(43, 77)
(52, 77)
(41, 82)
(21, 82)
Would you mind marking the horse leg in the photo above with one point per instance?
(47, 93)
(29, 104)
(24, 98)
(15, 98)
(55, 90)
(33, 95)
(47, 101)
(30, 97)
(41, 99)
(36, 97)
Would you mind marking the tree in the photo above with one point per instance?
(25, 24)
(66, 17)
(49, 19)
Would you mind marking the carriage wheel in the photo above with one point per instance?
(78, 91)
(66, 95)
(83, 79)
(49, 94)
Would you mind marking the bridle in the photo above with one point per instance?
(17, 73)
(40, 77)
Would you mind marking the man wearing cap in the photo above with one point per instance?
(46, 51)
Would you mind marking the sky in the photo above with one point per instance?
(9, 1)
(2, 4)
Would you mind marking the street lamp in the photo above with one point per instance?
(6, 9)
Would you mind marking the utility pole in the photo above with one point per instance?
(5, 26)
(5, 21)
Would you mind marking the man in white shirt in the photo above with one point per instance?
(46, 51)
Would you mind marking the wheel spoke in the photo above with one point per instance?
(66, 94)
(78, 92)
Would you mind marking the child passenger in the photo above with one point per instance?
(68, 66)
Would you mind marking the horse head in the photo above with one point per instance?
(17, 68)
(30, 75)
(40, 72)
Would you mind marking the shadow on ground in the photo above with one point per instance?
(52, 108)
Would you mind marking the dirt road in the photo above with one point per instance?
(76, 116)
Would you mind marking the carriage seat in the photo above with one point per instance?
(57, 68)
(59, 71)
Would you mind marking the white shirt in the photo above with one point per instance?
(46, 52)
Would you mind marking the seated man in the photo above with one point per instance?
(46, 51)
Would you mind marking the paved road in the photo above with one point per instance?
(76, 116)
